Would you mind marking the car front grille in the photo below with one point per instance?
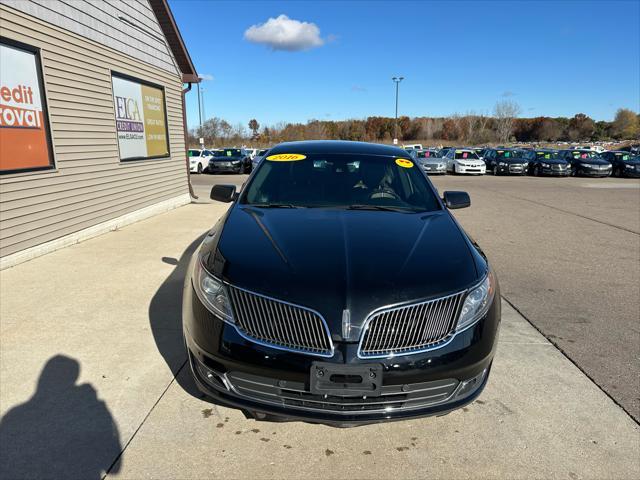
(410, 328)
(280, 324)
(297, 395)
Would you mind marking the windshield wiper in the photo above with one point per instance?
(379, 207)
(274, 205)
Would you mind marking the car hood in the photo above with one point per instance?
(226, 159)
(432, 160)
(516, 160)
(592, 161)
(469, 161)
(635, 161)
(551, 161)
(333, 259)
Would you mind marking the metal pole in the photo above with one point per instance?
(395, 129)
(199, 112)
(397, 81)
(204, 112)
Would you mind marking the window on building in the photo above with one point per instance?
(141, 120)
(25, 140)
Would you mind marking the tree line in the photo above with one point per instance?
(470, 128)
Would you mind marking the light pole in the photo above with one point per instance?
(199, 112)
(397, 81)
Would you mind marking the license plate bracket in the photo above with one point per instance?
(346, 380)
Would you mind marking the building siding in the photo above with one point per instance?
(89, 184)
(129, 27)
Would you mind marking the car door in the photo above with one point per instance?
(450, 156)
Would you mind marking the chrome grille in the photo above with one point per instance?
(410, 328)
(280, 324)
(296, 395)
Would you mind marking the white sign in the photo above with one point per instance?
(140, 119)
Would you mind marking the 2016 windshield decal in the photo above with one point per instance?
(286, 157)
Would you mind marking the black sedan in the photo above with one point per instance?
(339, 289)
(233, 160)
(505, 161)
(586, 163)
(624, 164)
(547, 162)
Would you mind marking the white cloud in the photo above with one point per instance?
(206, 77)
(284, 33)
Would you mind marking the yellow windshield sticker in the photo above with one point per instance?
(458, 151)
(404, 163)
(286, 157)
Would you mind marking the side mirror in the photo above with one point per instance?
(456, 200)
(224, 193)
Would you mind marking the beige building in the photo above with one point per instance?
(92, 119)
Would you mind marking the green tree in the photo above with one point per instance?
(625, 125)
(254, 126)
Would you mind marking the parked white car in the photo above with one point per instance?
(252, 152)
(464, 161)
(199, 160)
(259, 156)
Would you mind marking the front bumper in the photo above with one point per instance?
(263, 380)
(511, 169)
(592, 172)
(222, 167)
(469, 170)
(434, 170)
(552, 172)
(631, 172)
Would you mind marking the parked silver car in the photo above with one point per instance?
(431, 161)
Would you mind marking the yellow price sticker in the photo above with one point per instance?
(286, 157)
(404, 163)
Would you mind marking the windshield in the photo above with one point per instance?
(547, 155)
(577, 154)
(194, 153)
(228, 152)
(262, 152)
(624, 156)
(505, 154)
(341, 181)
(428, 154)
(466, 155)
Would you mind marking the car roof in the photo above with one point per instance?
(338, 146)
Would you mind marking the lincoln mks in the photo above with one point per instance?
(338, 288)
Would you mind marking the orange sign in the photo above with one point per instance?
(24, 143)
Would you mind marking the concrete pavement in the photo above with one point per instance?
(90, 342)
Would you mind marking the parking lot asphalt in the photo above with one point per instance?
(567, 253)
(93, 380)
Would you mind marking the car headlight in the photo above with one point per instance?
(629, 166)
(545, 165)
(211, 292)
(477, 302)
(502, 164)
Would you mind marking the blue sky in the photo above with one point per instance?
(552, 58)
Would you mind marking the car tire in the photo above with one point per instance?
(495, 170)
(536, 170)
(199, 169)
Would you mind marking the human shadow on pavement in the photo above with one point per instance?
(165, 318)
(62, 431)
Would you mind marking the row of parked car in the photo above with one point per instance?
(521, 161)
(224, 160)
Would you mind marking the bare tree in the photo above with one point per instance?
(505, 113)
